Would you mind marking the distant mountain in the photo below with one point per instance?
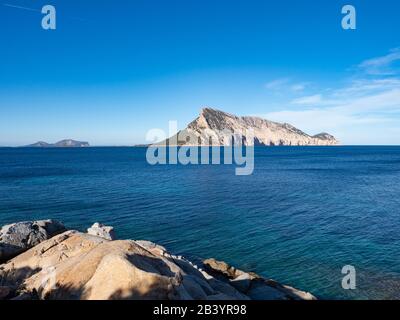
(68, 143)
(211, 126)
(71, 144)
(40, 144)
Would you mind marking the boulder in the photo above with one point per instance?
(75, 265)
(4, 292)
(251, 284)
(102, 231)
(242, 282)
(152, 247)
(18, 237)
(220, 267)
(82, 266)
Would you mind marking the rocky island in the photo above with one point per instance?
(44, 260)
(67, 143)
(212, 126)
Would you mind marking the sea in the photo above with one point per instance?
(303, 215)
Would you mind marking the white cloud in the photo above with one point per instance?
(351, 112)
(363, 86)
(285, 84)
(366, 109)
(298, 86)
(20, 7)
(277, 83)
(381, 65)
(386, 100)
(308, 100)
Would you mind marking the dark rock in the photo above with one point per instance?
(18, 237)
(4, 292)
(216, 267)
(251, 284)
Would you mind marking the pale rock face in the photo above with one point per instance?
(152, 247)
(214, 128)
(18, 237)
(102, 231)
(92, 268)
(75, 265)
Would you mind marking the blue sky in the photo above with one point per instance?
(112, 70)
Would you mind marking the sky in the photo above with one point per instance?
(113, 70)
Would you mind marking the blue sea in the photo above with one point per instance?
(304, 214)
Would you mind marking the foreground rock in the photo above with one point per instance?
(253, 285)
(4, 292)
(81, 266)
(102, 231)
(75, 265)
(19, 237)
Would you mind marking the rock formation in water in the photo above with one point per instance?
(67, 143)
(75, 265)
(214, 128)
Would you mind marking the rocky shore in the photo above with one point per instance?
(44, 260)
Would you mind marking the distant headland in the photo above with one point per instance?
(213, 127)
(67, 143)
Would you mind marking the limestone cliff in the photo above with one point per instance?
(212, 127)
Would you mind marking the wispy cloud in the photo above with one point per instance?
(298, 86)
(362, 110)
(20, 7)
(308, 100)
(285, 84)
(38, 10)
(381, 65)
(277, 83)
(365, 86)
(343, 114)
(368, 110)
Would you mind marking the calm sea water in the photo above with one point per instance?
(302, 215)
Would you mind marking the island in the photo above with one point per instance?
(67, 143)
(213, 127)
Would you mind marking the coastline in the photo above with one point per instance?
(66, 264)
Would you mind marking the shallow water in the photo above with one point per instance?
(303, 215)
